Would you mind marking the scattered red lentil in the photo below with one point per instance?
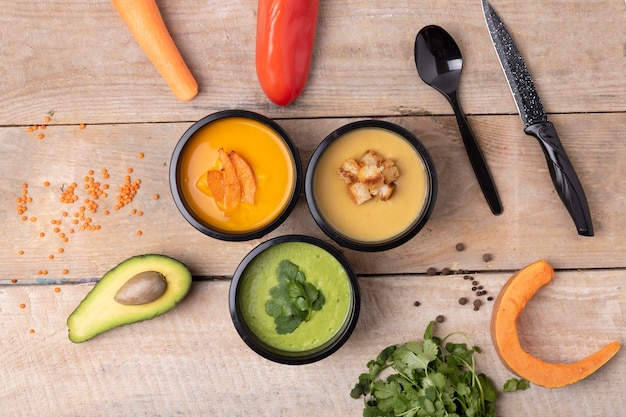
(57, 289)
(22, 305)
(31, 331)
(156, 197)
(95, 190)
(140, 155)
(81, 126)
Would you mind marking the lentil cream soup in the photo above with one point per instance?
(264, 151)
(374, 220)
(322, 270)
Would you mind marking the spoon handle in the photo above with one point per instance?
(479, 164)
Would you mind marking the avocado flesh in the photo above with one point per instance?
(99, 312)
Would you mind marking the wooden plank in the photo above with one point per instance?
(191, 361)
(534, 225)
(77, 58)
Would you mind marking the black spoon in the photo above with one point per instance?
(439, 62)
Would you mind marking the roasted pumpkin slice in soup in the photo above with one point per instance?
(230, 184)
(245, 176)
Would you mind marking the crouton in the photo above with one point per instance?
(359, 193)
(371, 176)
(370, 158)
(384, 191)
(349, 170)
(390, 171)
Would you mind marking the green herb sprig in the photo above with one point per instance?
(293, 300)
(433, 377)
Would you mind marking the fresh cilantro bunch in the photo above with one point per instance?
(433, 378)
(293, 300)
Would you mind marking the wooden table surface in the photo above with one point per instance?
(76, 61)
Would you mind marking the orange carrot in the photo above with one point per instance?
(146, 24)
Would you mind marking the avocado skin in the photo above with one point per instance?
(99, 312)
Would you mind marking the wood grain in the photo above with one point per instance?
(534, 224)
(191, 361)
(77, 58)
(76, 61)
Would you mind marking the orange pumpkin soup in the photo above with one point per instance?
(267, 155)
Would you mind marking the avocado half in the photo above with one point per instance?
(99, 312)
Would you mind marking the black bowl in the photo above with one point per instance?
(321, 349)
(421, 210)
(194, 217)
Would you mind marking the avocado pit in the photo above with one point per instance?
(143, 288)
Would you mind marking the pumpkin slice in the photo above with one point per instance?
(509, 304)
(215, 183)
(223, 184)
(232, 188)
(245, 176)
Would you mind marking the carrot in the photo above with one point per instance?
(146, 24)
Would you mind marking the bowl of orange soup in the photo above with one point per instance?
(235, 175)
(371, 185)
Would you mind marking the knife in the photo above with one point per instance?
(536, 122)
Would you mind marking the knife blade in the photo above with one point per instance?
(536, 122)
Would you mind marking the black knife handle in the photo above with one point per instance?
(563, 176)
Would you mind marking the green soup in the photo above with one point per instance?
(322, 270)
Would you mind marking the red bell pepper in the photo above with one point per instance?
(284, 46)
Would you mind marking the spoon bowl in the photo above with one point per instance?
(439, 62)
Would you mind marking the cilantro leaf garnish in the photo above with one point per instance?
(515, 384)
(293, 300)
(434, 377)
